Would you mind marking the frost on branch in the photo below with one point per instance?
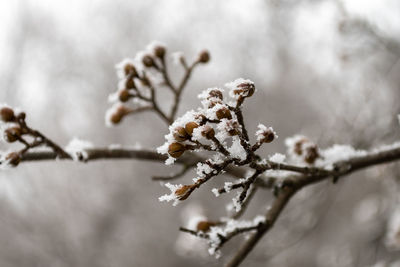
(218, 127)
(77, 149)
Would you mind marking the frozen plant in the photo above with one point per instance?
(213, 140)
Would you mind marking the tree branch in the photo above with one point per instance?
(384, 155)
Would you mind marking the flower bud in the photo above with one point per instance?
(180, 134)
(12, 134)
(223, 113)
(124, 95)
(245, 89)
(176, 150)
(269, 136)
(117, 116)
(190, 126)
(208, 132)
(130, 83)
(13, 158)
(159, 51)
(298, 146)
(215, 93)
(148, 61)
(201, 119)
(232, 127)
(204, 226)
(7, 114)
(204, 56)
(181, 193)
(145, 81)
(311, 154)
(129, 69)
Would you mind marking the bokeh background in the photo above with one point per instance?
(328, 69)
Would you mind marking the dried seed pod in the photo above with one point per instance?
(208, 132)
(298, 146)
(201, 119)
(145, 81)
(117, 116)
(148, 61)
(182, 192)
(190, 126)
(176, 150)
(215, 93)
(130, 83)
(129, 69)
(12, 134)
(311, 154)
(180, 134)
(7, 114)
(269, 136)
(124, 95)
(232, 127)
(204, 56)
(223, 113)
(205, 226)
(245, 89)
(159, 51)
(13, 158)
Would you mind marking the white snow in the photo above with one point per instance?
(236, 150)
(277, 158)
(172, 196)
(76, 148)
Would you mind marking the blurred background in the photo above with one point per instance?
(327, 69)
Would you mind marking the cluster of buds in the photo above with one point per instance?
(216, 127)
(139, 79)
(13, 132)
(15, 129)
(304, 148)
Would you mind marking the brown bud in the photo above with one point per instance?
(208, 132)
(201, 118)
(232, 127)
(245, 89)
(124, 95)
(181, 192)
(298, 146)
(130, 83)
(269, 136)
(176, 150)
(145, 81)
(215, 93)
(180, 134)
(129, 69)
(190, 126)
(204, 226)
(7, 114)
(12, 134)
(13, 158)
(117, 116)
(21, 116)
(148, 61)
(204, 56)
(223, 113)
(159, 51)
(311, 154)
